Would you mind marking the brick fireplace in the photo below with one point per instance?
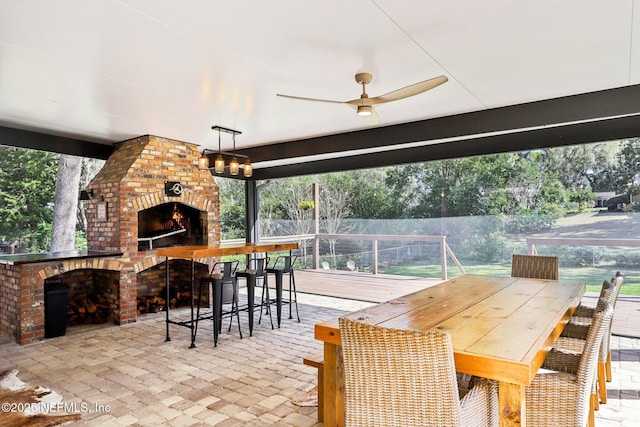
(145, 183)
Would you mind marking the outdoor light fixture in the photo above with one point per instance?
(233, 164)
(219, 164)
(203, 161)
(247, 168)
(364, 110)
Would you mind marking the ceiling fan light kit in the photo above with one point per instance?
(364, 110)
(219, 163)
(364, 105)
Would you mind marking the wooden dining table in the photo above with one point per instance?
(501, 327)
(203, 252)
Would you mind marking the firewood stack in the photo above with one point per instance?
(181, 299)
(156, 304)
(153, 304)
(87, 309)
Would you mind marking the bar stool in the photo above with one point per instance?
(284, 265)
(224, 287)
(256, 271)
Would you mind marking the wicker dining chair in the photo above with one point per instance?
(564, 397)
(408, 378)
(584, 314)
(575, 333)
(535, 266)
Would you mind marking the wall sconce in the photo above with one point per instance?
(219, 163)
(86, 194)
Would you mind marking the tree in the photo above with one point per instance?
(370, 197)
(627, 167)
(63, 233)
(90, 167)
(576, 165)
(440, 188)
(232, 208)
(334, 206)
(27, 187)
(284, 196)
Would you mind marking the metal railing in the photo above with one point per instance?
(445, 250)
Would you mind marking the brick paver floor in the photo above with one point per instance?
(128, 375)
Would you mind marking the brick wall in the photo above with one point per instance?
(10, 301)
(132, 179)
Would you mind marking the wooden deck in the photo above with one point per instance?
(378, 288)
(359, 286)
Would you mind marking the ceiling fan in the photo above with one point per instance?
(364, 104)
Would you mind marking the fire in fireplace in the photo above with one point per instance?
(170, 224)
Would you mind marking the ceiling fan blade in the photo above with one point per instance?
(408, 91)
(309, 99)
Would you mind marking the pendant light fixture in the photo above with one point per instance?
(203, 161)
(233, 164)
(220, 164)
(247, 169)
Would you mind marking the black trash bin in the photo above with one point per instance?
(56, 298)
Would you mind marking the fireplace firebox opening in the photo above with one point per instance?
(171, 224)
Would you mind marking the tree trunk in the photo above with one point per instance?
(63, 234)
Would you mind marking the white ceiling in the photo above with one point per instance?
(110, 70)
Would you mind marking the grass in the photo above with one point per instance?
(592, 276)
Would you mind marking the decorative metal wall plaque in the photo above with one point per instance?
(172, 189)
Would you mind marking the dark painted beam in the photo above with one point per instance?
(593, 105)
(588, 106)
(582, 133)
(55, 144)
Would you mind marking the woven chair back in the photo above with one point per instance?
(535, 266)
(587, 369)
(398, 378)
(605, 348)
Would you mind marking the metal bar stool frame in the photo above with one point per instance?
(222, 272)
(252, 275)
(282, 265)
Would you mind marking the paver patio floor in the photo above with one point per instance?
(128, 375)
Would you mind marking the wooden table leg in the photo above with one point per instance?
(512, 404)
(333, 386)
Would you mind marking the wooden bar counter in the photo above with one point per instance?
(201, 252)
(502, 328)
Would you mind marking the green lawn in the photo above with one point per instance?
(592, 276)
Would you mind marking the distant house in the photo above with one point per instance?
(616, 203)
(602, 197)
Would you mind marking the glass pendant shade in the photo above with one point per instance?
(247, 168)
(219, 164)
(203, 162)
(234, 166)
